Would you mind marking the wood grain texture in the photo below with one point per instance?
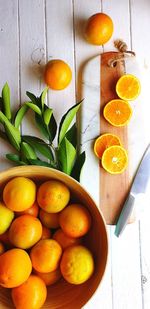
(113, 188)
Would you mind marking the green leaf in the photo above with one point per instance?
(76, 172)
(32, 97)
(39, 145)
(27, 151)
(66, 156)
(12, 133)
(6, 101)
(52, 128)
(66, 120)
(34, 107)
(47, 115)
(41, 126)
(41, 163)
(20, 114)
(15, 158)
(72, 135)
(43, 96)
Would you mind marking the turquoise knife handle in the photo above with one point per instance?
(125, 214)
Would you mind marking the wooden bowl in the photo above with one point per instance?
(63, 295)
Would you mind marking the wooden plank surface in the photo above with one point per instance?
(45, 29)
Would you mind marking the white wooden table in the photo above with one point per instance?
(35, 31)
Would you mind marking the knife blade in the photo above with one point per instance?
(139, 185)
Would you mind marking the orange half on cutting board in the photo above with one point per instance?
(103, 142)
(115, 160)
(117, 112)
(128, 87)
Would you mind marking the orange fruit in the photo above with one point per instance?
(77, 264)
(46, 233)
(115, 159)
(2, 248)
(49, 278)
(75, 220)
(128, 87)
(45, 255)
(104, 141)
(33, 211)
(31, 294)
(53, 196)
(64, 240)
(15, 267)
(5, 239)
(25, 231)
(19, 193)
(117, 112)
(50, 220)
(99, 29)
(57, 74)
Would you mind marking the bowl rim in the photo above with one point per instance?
(29, 168)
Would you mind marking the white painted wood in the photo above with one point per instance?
(60, 45)
(9, 64)
(141, 43)
(51, 29)
(32, 55)
(126, 269)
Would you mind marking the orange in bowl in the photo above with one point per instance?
(62, 294)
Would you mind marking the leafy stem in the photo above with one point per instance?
(37, 151)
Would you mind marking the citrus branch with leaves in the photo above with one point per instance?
(63, 156)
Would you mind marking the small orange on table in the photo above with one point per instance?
(99, 29)
(57, 74)
(115, 159)
(31, 294)
(128, 87)
(104, 141)
(75, 220)
(77, 264)
(117, 112)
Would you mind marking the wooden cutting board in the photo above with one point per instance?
(98, 87)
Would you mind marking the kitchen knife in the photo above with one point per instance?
(138, 186)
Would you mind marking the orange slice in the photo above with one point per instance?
(104, 141)
(115, 159)
(117, 112)
(128, 87)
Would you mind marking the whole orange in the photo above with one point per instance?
(49, 278)
(19, 193)
(99, 29)
(46, 233)
(33, 211)
(57, 74)
(31, 294)
(45, 255)
(75, 220)
(50, 220)
(64, 240)
(25, 231)
(53, 196)
(15, 267)
(77, 264)
(2, 248)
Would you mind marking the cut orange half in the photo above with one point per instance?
(117, 112)
(115, 160)
(128, 87)
(104, 141)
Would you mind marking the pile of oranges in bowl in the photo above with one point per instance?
(53, 241)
